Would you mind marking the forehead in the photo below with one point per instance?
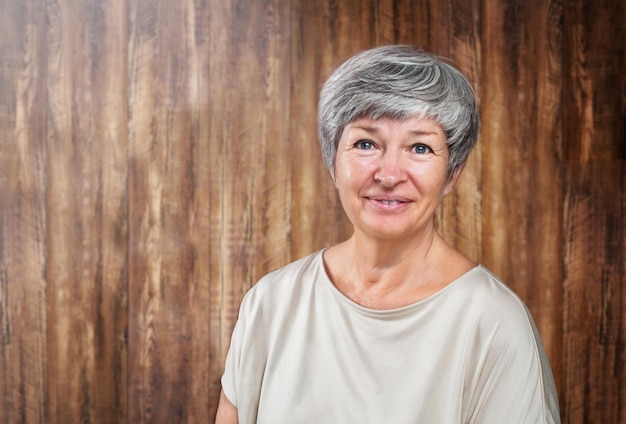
(415, 125)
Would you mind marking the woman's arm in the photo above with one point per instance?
(226, 411)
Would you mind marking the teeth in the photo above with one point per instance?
(390, 202)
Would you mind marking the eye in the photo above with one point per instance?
(364, 145)
(421, 149)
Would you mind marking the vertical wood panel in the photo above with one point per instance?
(594, 352)
(168, 212)
(250, 190)
(402, 22)
(22, 213)
(86, 206)
(522, 176)
(594, 147)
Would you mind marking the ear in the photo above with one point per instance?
(452, 179)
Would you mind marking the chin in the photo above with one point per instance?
(389, 230)
(386, 233)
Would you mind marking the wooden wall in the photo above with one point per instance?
(157, 157)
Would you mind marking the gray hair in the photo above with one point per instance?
(399, 82)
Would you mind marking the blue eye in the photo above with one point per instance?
(421, 149)
(364, 145)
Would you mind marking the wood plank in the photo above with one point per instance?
(168, 212)
(22, 213)
(86, 206)
(403, 22)
(594, 299)
(595, 225)
(250, 191)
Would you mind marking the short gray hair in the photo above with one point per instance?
(399, 82)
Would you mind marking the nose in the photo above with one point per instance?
(390, 170)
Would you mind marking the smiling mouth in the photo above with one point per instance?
(389, 203)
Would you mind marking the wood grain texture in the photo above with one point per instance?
(250, 188)
(594, 148)
(22, 214)
(86, 209)
(593, 294)
(168, 213)
(157, 158)
(522, 175)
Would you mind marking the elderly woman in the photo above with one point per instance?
(392, 325)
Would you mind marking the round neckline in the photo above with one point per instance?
(394, 311)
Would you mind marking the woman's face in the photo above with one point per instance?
(391, 175)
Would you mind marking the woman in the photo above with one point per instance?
(392, 325)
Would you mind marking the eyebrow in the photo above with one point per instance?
(375, 129)
(423, 132)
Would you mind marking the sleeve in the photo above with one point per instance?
(230, 380)
(515, 383)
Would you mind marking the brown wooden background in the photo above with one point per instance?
(157, 157)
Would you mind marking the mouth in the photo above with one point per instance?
(388, 202)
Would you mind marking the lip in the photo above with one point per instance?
(390, 203)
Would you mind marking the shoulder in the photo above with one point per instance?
(482, 287)
(507, 352)
(492, 304)
(293, 279)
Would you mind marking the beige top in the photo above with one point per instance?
(302, 352)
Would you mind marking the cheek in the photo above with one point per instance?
(343, 183)
(430, 179)
(349, 172)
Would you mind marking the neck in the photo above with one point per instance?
(385, 274)
(390, 252)
(389, 262)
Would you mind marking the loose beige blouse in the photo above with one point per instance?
(302, 352)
